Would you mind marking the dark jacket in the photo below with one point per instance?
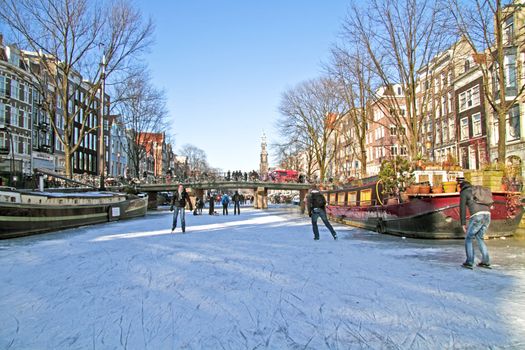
(466, 199)
(180, 201)
(236, 197)
(312, 202)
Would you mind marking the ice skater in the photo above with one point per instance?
(180, 199)
(477, 226)
(316, 208)
(236, 203)
(225, 201)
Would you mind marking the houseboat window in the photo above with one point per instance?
(341, 198)
(13, 199)
(366, 197)
(332, 199)
(352, 197)
(424, 178)
(437, 179)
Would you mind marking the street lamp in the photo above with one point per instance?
(101, 145)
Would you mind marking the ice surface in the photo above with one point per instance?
(257, 280)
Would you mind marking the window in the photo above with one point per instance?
(469, 98)
(7, 87)
(467, 65)
(2, 114)
(508, 30)
(332, 198)
(393, 130)
(352, 197)
(403, 151)
(21, 118)
(393, 150)
(510, 71)
(513, 124)
(22, 92)
(464, 129)
(14, 89)
(2, 86)
(366, 197)
(379, 133)
(445, 131)
(462, 101)
(476, 124)
(443, 105)
(4, 146)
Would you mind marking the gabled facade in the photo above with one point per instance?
(514, 58)
(384, 138)
(471, 119)
(18, 108)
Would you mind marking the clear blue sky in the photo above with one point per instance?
(225, 63)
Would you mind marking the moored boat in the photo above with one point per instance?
(24, 212)
(420, 215)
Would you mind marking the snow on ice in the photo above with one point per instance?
(254, 281)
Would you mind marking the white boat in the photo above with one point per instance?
(27, 212)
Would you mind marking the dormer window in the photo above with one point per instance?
(467, 65)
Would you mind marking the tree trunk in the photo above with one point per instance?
(68, 162)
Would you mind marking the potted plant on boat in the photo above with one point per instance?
(396, 176)
(424, 187)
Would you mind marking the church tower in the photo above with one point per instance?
(263, 166)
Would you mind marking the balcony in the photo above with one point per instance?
(43, 126)
(44, 148)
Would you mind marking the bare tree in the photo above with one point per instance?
(142, 111)
(289, 155)
(309, 115)
(399, 37)
(74, 41)
(196, 159)
(491, 29)
(351, 70)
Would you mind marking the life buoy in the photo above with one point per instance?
(377, 192)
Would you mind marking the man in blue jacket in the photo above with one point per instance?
(477, 226)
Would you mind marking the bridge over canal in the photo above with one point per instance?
(196, 189)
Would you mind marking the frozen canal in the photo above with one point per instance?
(255, 281)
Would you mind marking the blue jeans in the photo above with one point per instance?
(320, 213)
(182, 218)
(237, 208)
(477, 226)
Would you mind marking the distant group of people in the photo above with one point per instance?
(181, 199)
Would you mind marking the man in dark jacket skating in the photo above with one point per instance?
(236, 198)
(180, 199)
(477, 226)
(316, 208)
